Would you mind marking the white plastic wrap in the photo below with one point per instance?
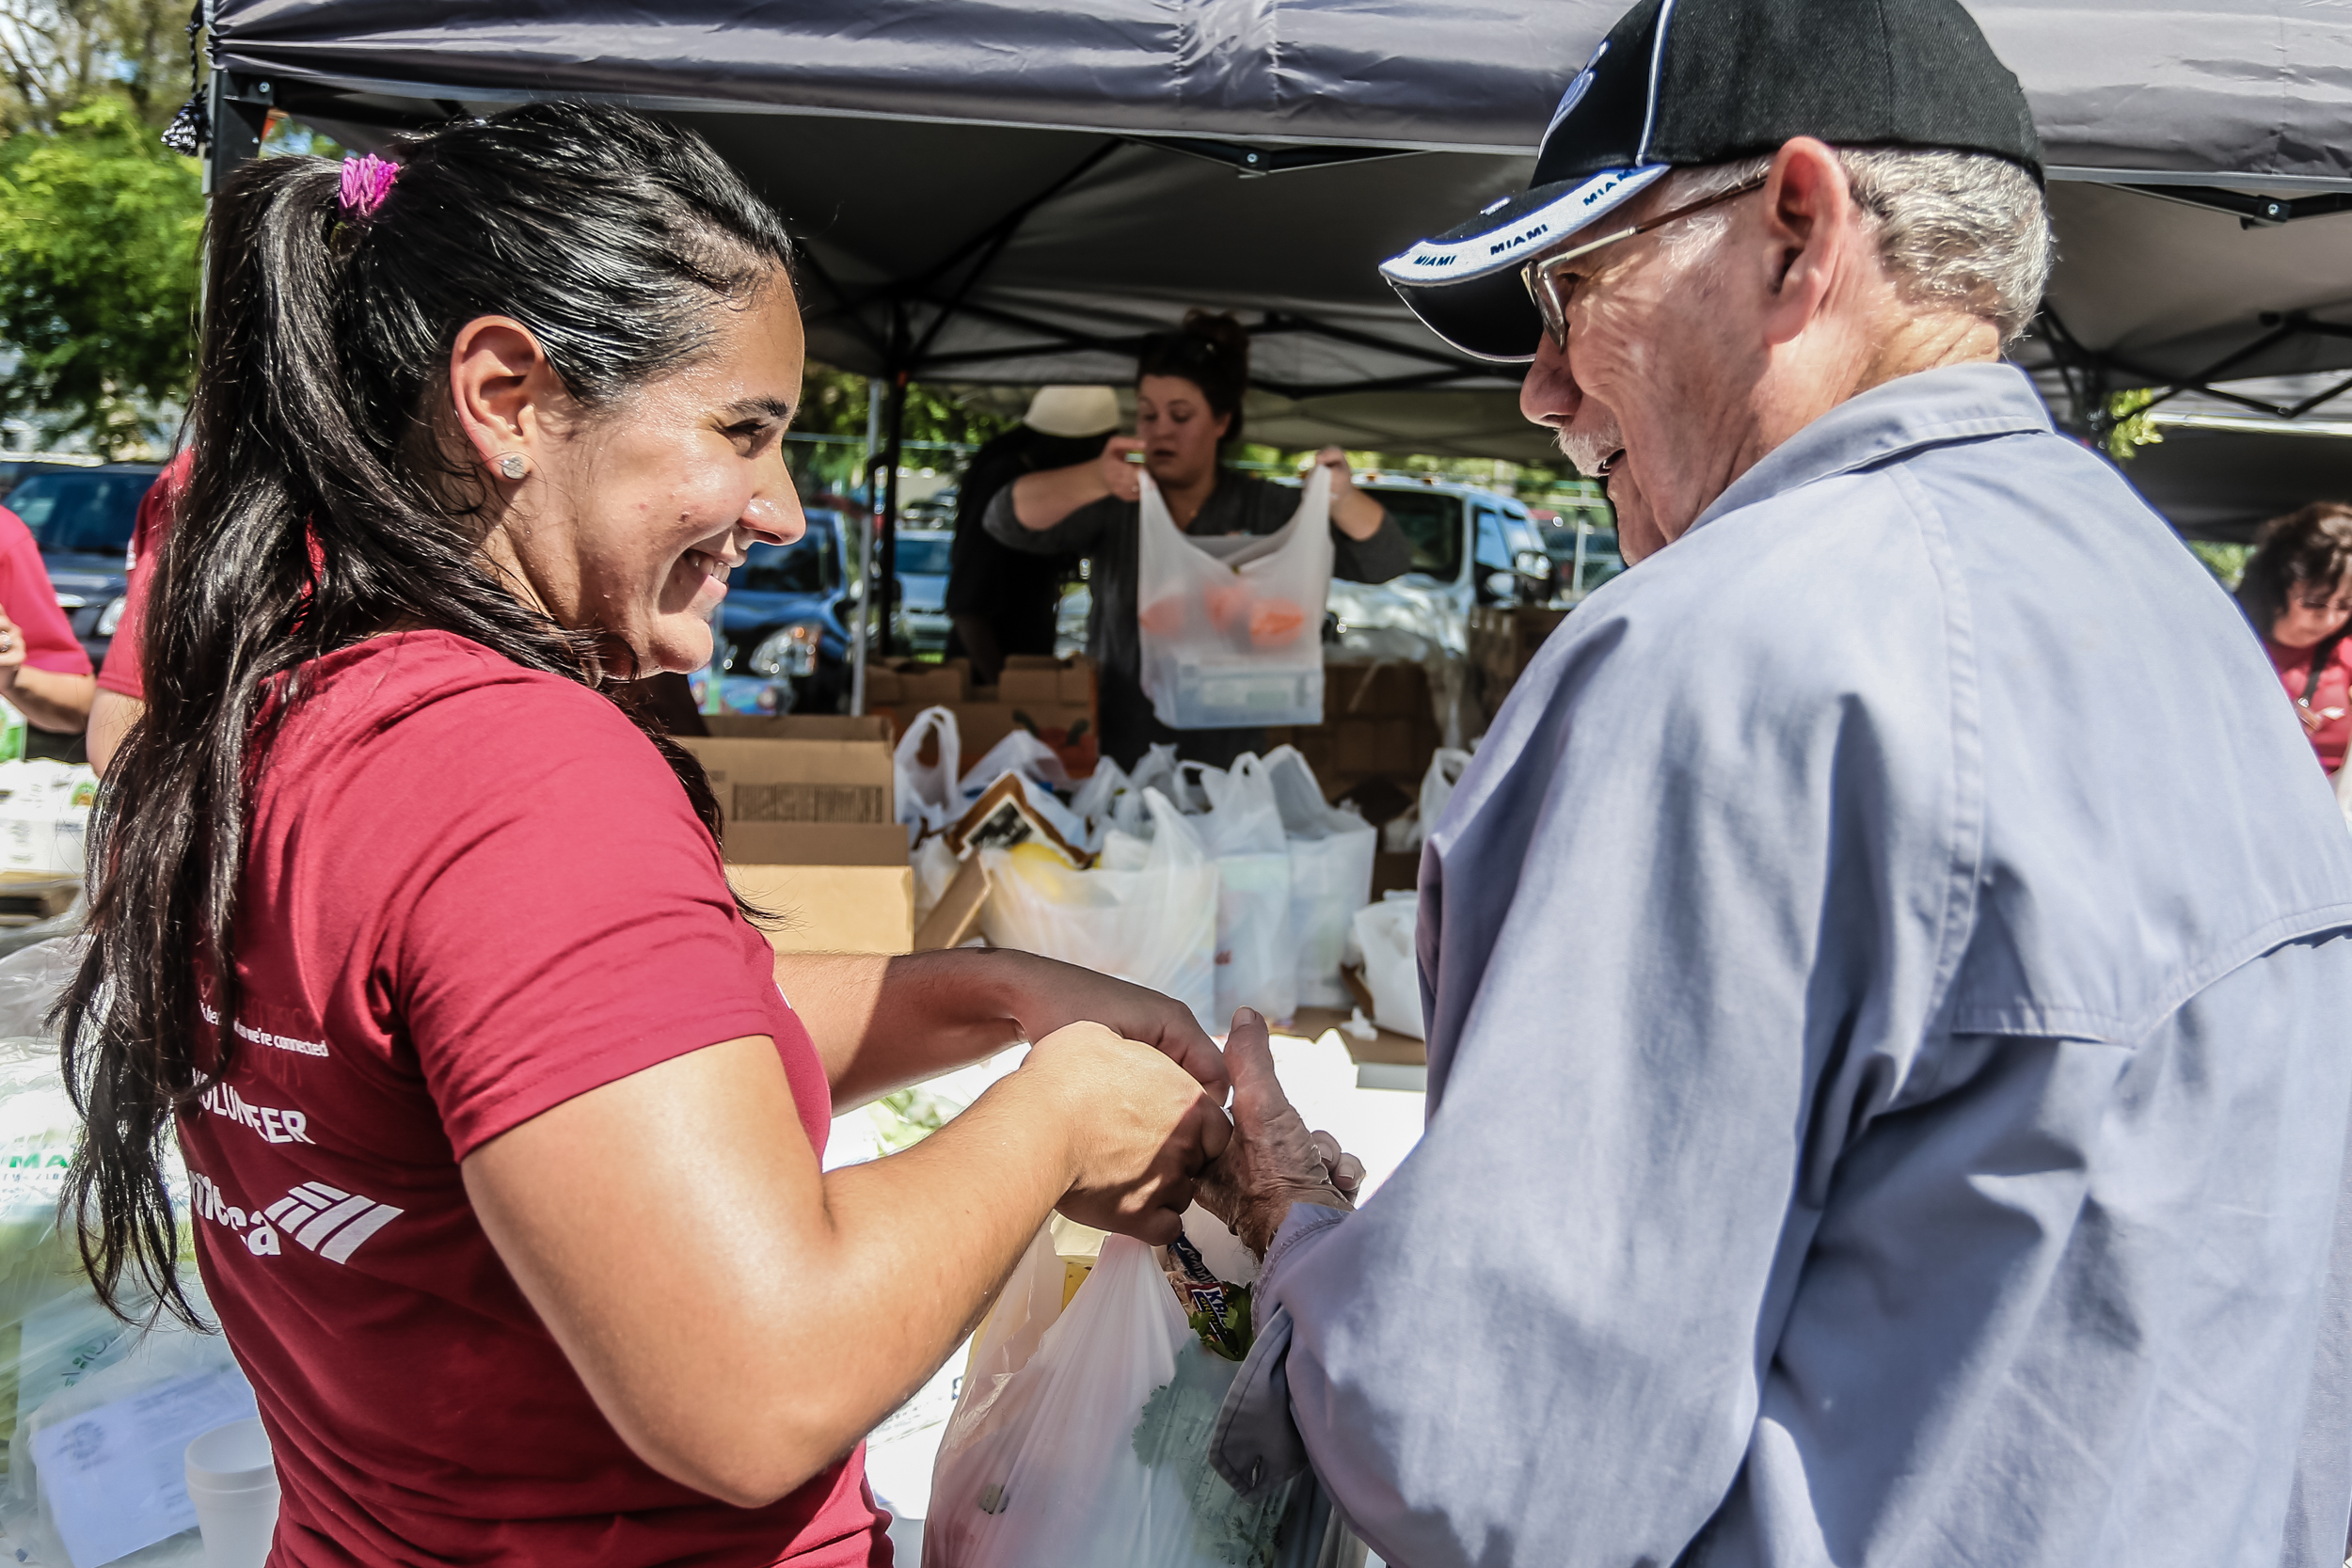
(1231, 626)
(1090, 1448)
(1330, 853)
(1146, 915)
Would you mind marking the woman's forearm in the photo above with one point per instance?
(1041, 499)
(1357, 515)
(50, 701)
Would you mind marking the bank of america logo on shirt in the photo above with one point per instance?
(329, 1221)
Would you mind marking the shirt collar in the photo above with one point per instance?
(1957, 403)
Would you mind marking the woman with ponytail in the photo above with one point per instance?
(1190, 385)
(504, 1140)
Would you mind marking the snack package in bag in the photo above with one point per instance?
(1231, 625)
(1148, 914)
(1332, 854)
(1085, 1443)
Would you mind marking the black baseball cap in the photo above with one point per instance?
(1695, 82)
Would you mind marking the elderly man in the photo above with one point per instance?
(1888, 967)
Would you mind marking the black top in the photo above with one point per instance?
(1016, 592)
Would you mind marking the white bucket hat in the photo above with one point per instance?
(1073, 411)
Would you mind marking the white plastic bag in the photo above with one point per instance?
(1146, 915)
(927, 800)
(1382, 934)
(1231, 626)
(1257, 953)
(1330, 853)
(1018, 753)
(1091, 1449)
(1412, 829)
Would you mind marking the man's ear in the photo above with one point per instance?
(500, 385)
(1808, 211)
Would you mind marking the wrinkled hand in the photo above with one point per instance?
(1140, 1131)
(1053, 994)
(1125, 478)
(1273, 1160)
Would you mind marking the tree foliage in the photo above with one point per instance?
(99, 229)
(60, 55)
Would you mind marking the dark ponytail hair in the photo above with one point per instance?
(323, 509)
(1210, 351)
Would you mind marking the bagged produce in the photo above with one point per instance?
(1231, 626)
(1332, 854)
(1082, 1436)
(1148, 914)
(928, 797)
(1257, 955)
(1382, 935)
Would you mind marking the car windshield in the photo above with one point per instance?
(924, 554)
(1601, 559)
(81, 514)
(806, 565)
(1432, 520)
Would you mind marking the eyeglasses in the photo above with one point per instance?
(1551, 285)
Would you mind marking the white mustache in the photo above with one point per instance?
(1591, 450)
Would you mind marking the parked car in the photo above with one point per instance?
(1470, 546)
(921, 612)
(786, 616)
(1584, 546)
(82, 518)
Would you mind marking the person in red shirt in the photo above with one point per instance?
(44, 671)
(2298, 590)
(503, 1124)
(121, 696)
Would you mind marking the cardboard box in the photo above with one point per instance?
(835, 908)
(956, 919)
(1036, 678)
(1503, 639)
(811, 828)
(917, 682)
(986, 713)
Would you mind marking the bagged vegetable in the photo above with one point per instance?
(1231, 626)
(1082, 1436)
(1146, 915)
(1330, 854)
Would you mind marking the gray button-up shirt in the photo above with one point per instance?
(1888, 991)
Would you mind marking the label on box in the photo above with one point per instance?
(787, 801)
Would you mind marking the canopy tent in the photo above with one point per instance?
(1012, 191)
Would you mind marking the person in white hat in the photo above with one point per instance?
(1001, 601)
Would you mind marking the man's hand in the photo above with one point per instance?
(1273, 1160)
(1052, 994)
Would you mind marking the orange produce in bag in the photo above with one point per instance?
(1163, 617)
(1274, 622)
(1227, 602)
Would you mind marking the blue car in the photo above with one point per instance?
(82, 518)
(786, 616)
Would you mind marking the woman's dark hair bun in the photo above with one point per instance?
(1212, 351)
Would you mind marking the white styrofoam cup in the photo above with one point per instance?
(233, 1484)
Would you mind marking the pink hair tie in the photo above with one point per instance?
(367, 180)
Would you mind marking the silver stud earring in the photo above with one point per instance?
(514, 465)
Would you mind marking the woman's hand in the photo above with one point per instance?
(1272, 1161)
(49, 700)
(1357, 515)
(1052, 995)
(1140, 1130)
(1120, 478)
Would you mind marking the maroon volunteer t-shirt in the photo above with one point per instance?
(471, 892)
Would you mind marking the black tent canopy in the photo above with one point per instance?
(1012, 191)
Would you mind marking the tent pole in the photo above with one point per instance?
(889, 535)
(866, 552)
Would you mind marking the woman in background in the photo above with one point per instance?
(1188, 392)
(2298, 590)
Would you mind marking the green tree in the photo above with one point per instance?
(59, 55)
(99, 227)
